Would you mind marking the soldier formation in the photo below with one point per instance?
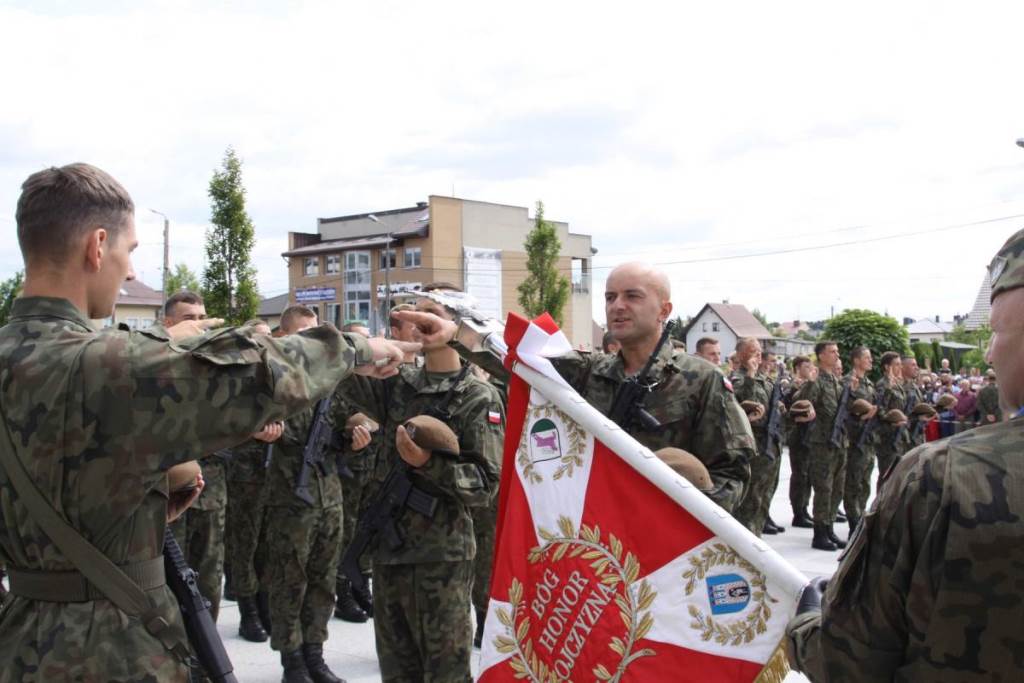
(323, 472)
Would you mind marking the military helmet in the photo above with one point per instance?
(946, 401)
(687, 465)
(432, 434)
(894, 416)
(1006, 271)
(860, 407)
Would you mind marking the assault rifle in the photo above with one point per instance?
(380, 519)
(773, 419)
(628, 404)
(195, 611)
(313, 452)
(835, 437)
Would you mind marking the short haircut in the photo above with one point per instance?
(59, 205)
(744, 342)
(351, 325)
(705, 341)
(254, 321)
(889, 357)
(434, 286)
(822, 345)
(182, 297)
(858, 352)
(606, 341)
(392, 320)
(292, 314)
(798, 361)
(907, 359)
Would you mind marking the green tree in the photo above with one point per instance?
(9, 291)
(182, 278)
(859, 327)
(543, 289)
(229, 280)
(680, 326)
(762, 318)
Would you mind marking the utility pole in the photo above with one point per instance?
(167, 258)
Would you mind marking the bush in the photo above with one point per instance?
(859, 327)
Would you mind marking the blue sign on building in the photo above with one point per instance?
(310, 294)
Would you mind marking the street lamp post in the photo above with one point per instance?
(387, 276)
(167, 258)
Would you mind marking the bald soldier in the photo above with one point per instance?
(95, 419)
(690, 398)
(930, 587)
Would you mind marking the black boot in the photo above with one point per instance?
(364, 597)
(779, 529)
(250, 627)
(854, 521)
(821, 540)
(768, 529)
(802, 520)
(345, 607)
(294, 668)
(229, 586)
(835, 539)
(313, 653)
(478, 637)
(263, 606)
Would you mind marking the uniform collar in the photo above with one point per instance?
(30, 307)
(416, 377)
(615, 369)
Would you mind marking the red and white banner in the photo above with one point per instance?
(608, 565)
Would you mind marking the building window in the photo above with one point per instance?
(703, 327)
(714, 327)
(146, 323)
(413, 257)
(333, 312)
(312, 266)
(389, 255)
(131, 322)
(333, 264)
(357, 287)
(580, 275)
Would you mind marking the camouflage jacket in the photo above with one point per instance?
(913, 394)
(469, 480)
(357, 461)
(97, 418)
(929, 589)
(865, 389)
(215, 491)
(757, 388)
(988, 403)
(892, 397)
(824, 392)
(249, 461)
(286, 464)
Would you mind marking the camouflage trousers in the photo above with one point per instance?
(800, 476)
(353, 497)
(245, 536)
(302, 557)
(857, 483)
(752, 511)
(887, 457)
(485, 521)
(200, 533)
(828, 471)
(421, 621)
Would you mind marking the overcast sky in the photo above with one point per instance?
(672, 132)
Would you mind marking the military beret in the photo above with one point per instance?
(923, 409)
(860, 407)
(946, 401)
(687, 465)
(432, 434)
(801, 408)
(990, 373)
(358, 419)
(1007, 268)
(750, 407)
(184, 476)
(894, 416)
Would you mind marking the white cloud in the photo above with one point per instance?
(660, 129)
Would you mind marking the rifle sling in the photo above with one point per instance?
(109, 579)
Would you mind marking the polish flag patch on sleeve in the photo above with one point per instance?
(494, 417)
(728, 384)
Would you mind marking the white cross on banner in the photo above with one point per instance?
(609, 566)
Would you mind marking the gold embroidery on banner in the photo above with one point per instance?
(569, 461)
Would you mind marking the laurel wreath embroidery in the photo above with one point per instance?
(733, 633)
(610, 568)
(570, 460)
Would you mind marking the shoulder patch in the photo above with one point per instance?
(727, 383)
(494, 417)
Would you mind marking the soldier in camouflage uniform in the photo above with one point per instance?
(828, 462)
(891, 439)
(750, 385)
(860, 455)
(799, 455)
(485, 526)
(989, 411)
(124, 406)
(421, 590)
(912, 390)
(690, 398)
(929, 590)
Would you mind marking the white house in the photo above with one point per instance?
(928, 330)
(725, 323)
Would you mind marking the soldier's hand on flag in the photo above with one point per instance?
(270, 433)
(388, 354)
(434, 330)
(193, 328)
(408, 450)
(360, 437)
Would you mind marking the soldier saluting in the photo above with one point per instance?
(92, 421)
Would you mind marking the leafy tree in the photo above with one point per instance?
(677, 331)
(762, 318)
(182, 278)
(543, 289)
(229, 280)
(9, 291)
(859, 327)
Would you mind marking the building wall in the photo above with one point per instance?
(724, 335)
(143, 316)
(444, 249)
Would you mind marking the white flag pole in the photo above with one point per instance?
(675, 486)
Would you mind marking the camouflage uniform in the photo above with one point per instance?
(485, 526)
(860, 460)
(799, 460)
(828, 462)
(361, 464)
(988, 403)
(915, 432)
(764, 467)
(421, 590)
(245, 537)
(891, 440)
(303, 541)
(124, 406)
(929, 589)
(200, 532)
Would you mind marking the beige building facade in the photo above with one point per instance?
(342, 271)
